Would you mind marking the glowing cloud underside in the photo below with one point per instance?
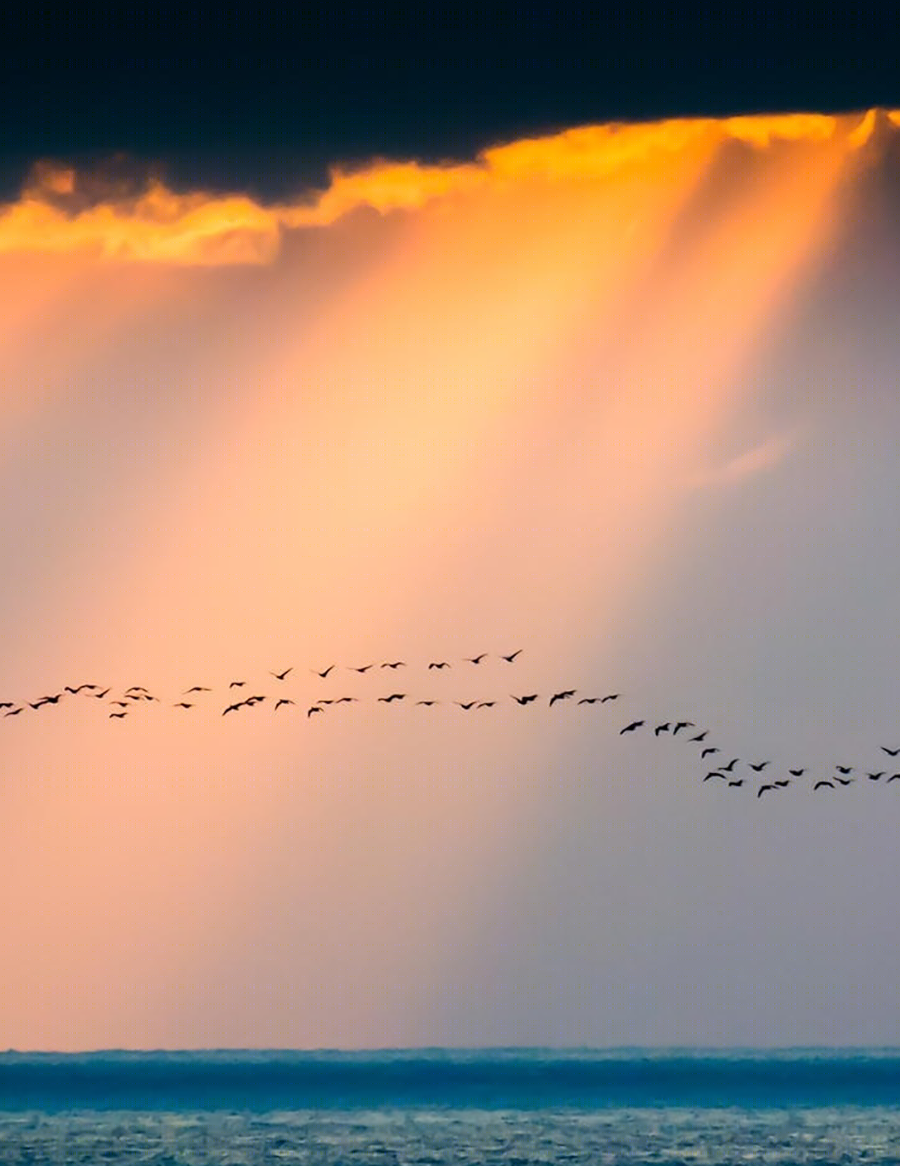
(238, 437)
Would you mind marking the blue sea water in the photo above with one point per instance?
(451, 1106)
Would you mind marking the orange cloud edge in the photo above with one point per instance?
(196, 228)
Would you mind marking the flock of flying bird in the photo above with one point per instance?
(723, 773)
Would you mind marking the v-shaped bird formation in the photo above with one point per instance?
(759, 777)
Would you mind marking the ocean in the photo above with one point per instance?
(451, 1106)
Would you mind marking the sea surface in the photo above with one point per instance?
(451, 1106)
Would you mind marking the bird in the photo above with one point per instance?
(709, 749)
(630, 728)
(252, 700)
(427, 702)
(6, 704)
(796, 772)
(562, 695)
(523, 700)
(701, 736)
(47, 700)
(13, 712)
(232, 708)
(395, 664)
(894, 777)
(845, 769)
(197, 688)
(438, 664)
(509, 659)
(281, 675)
(760, 767)
(75, 691)
(100, 695)
(475, 659)
(315, 709)
(122, 704)
(782, 782)
(611, 696)
(365, 668)
(466, 705)
(589, 700)
(891, 752)
(322, 700)
(683, 725)
(844, 780)
(182, 704)
(342, 700)
(737, 781)
(283, 700)
(664, 728)
(237, 684)
(762, 789)
(147, 696)
(486, 704)
(393, 696)
(823, 785)
(323, 675)
(731, 764)
(112, 715)
(714, 773)
(875, 776)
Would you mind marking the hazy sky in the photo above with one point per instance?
(622, 397)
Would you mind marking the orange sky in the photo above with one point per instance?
(431, 411)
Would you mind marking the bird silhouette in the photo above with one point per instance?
(439, 664)
(611, 696)
(6, 704)
(782, 782)
(232, 708)
(197, 688)
(119, 715)
(122, 704)
(475, 659)
(589, 700)
(323, 675)
(760, 767)
(365, 668)
(845, 769)
(182, 704)
(281, 675)
(393, 696)
(875, 776)
(486, 704)
(731, 764)
(891, 752)
(701, 736)
(315, 709)
(715, 773)
(709, 749)
(100, 695)
(395, 664)
(894, 777)
(664, 728)
(427, 702)
(844, 780)
(796, 772)
(823, 785)
(282, 701)
(237, 684)
(737, 781)
(509, 659)
(75, 691)
(562, 696)
(682, 725)
(630, 728)
(523, 700)
(343, 700)
(13, 712)
(762, 789)
(466, 705)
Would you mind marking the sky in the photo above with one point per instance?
(609, 379)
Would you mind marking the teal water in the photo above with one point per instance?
(450, 1106)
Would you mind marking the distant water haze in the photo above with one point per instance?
(624, 398)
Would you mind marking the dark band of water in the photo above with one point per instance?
(495, 1079)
